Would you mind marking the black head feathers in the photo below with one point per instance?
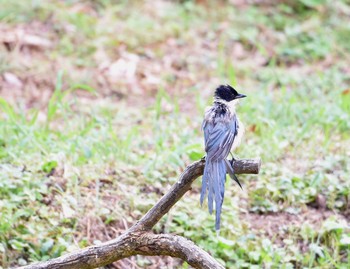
(227, 93)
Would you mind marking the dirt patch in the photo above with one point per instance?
(278, 225)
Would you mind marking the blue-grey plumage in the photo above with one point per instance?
(221, 130)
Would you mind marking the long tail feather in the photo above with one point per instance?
(219, 190)
(205, 179)
(213, 181)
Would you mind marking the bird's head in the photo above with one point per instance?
(227, 93)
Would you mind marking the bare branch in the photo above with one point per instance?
(191, 173)
(180, 247)
(139, 240)
(139, 243)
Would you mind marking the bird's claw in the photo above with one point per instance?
(232, 160)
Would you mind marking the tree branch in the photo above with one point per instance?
(177, 246)
(191, 173)
(139, 240)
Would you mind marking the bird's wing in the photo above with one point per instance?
(219, 137)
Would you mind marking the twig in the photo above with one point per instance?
(139, 239)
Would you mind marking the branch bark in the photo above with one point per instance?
(139, 240)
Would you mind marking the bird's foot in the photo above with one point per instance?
(232, 160)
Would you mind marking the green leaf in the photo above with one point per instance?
(82, 87)
(318, 250)
(2, 248)
(312, 3)
(345, 240)
(46, 246)
(18, 245)
(333, 225)
(49, 166)
(195, 155)
(8, 110)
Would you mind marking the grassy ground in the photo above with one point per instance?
(101, 106)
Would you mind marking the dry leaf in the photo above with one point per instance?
(345, 92)
(19, 36)
(123, 69)
(12, 80)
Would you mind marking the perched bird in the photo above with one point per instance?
(222, 132)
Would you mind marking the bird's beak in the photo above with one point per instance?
(239, 96)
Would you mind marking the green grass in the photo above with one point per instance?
(81, 166)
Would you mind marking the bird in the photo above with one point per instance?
(222, 132)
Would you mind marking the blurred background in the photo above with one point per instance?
(101, 104)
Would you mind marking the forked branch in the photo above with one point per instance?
(140, 240)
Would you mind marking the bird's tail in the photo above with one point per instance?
(213, 181)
